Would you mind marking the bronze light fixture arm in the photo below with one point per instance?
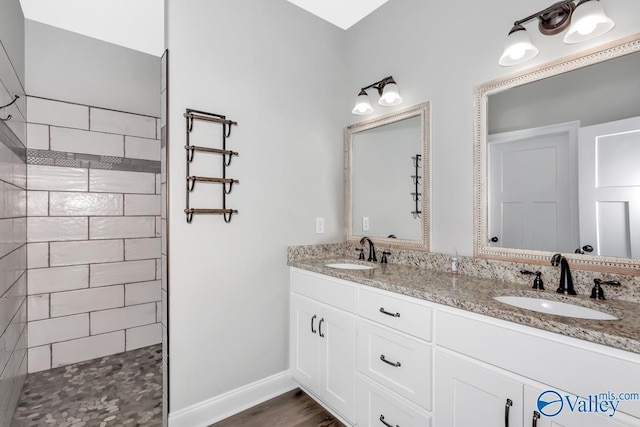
(553, 8)
(379, 85)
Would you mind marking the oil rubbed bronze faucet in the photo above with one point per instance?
(372, 249)
(566, 281)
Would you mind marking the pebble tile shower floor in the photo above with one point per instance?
(120, 390)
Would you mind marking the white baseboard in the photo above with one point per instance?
(225, 405)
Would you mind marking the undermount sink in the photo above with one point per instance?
(555, 307)
(349, 266)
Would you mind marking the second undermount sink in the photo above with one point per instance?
(345, 265)
(555, 307)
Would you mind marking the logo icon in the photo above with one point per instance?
(550, 403)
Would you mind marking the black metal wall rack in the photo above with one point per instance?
(416, 181)
(227, 156)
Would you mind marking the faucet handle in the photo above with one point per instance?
(384, 257)
(597, 292)
(361, 255)
(537, 282)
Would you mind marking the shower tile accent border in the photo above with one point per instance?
(94, 232)
(90, 161)
(478, 267)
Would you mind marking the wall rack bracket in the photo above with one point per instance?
(16, 97)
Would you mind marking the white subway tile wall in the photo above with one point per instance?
(142, 204)
(13, 238)
(85, 252)
(121, 182)
(141, 148)
(37, 136)
(94, 249)
(82, 141)
(114, 273)
(74, 351)
(143, 336)
(56, 113)
(37, 255)
(54, 178)
(39, 358)
(122, 123)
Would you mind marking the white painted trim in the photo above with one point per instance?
(217, 408)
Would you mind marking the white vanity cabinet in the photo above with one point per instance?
(377, 358)
(323, 339)
(487, 368)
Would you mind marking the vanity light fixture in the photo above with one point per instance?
(389, 96)
(585, 20)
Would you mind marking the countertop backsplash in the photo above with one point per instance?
(479, 267)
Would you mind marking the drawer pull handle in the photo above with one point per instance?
(383, 311)
(313, 320)
(395, 365)
(507, 406)
(536, 417)
(320, 327)
(386, 423)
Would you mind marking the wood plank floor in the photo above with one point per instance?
(292, 409)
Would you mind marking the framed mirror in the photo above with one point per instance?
(387, 179)
(557, 162)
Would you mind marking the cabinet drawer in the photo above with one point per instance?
(376, 404)
(396, 312)
(406, 368)
(335, 292)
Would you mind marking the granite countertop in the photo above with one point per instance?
(476, 295)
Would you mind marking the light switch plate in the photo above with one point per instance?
(319, 225)
(365, 223)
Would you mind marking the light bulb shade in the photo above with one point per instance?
(588, 22)
(518, 48)
(363, 106)
(390, 95)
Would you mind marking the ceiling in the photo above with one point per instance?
(342, 13)
(139, 24)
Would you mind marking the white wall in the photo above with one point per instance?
(439, 51)
(279, 72)
(70, 67)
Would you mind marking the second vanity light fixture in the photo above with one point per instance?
(389, 96)
(585, 18)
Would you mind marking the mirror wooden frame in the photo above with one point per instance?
(481, 211)
(422, 111)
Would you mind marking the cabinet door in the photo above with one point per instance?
(559, 405)
(337, 332)
(470, 394)
(304, 347)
